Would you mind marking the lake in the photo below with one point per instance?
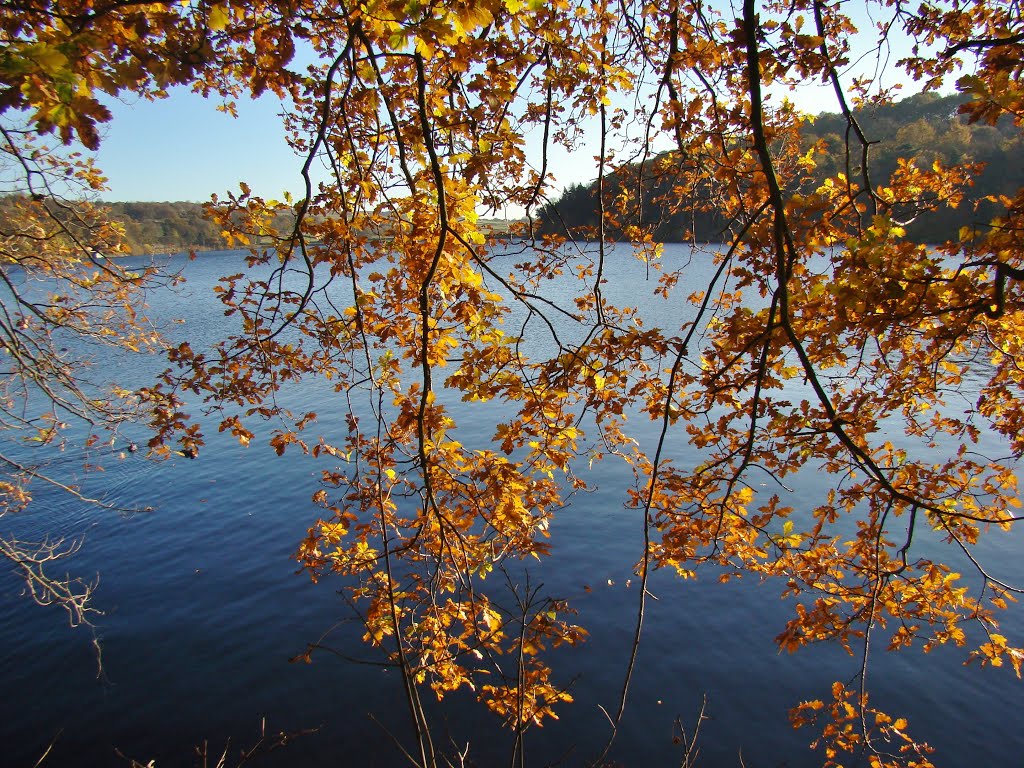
(203, 608)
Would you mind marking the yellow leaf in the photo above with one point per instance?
(219, 18)
(492, 619)
(49, 59)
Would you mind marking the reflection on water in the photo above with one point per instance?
(203, 609)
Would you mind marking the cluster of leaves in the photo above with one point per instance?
(827, 339)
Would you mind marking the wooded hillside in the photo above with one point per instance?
(166, 227)
(926, 127)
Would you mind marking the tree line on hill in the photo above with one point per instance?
(158, 227)
(926, 128)
(148, 227)
(166, 227)
(175, 227)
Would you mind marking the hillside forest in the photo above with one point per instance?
(926, 127)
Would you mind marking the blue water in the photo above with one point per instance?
(203, 609)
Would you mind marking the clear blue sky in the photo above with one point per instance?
(182, 148)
